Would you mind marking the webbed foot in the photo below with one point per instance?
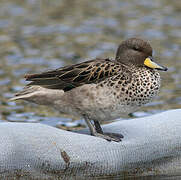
(97, 131)
(110, 136)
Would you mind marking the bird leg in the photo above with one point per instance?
(98, 127)
(113, 135)
(97, 131)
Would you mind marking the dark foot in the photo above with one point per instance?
(110, 136)
(114, 135)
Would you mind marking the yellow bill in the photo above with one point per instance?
(149, 63)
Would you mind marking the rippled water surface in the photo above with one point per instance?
(42, 35)
(39, 35)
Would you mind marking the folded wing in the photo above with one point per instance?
(69, 77)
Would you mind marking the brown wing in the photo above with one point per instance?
(69, 77)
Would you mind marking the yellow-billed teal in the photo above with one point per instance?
(99, 89)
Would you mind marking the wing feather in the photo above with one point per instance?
(72, 76)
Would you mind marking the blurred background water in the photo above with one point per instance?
(39, 35)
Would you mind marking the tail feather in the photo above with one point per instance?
(27, 91)
(38, 95)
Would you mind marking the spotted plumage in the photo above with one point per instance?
(99, 89)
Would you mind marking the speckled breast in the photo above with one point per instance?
(131, 93)
(144, 87)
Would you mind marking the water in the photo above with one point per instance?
(37, 35)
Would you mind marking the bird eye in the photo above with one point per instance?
(136, 48)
